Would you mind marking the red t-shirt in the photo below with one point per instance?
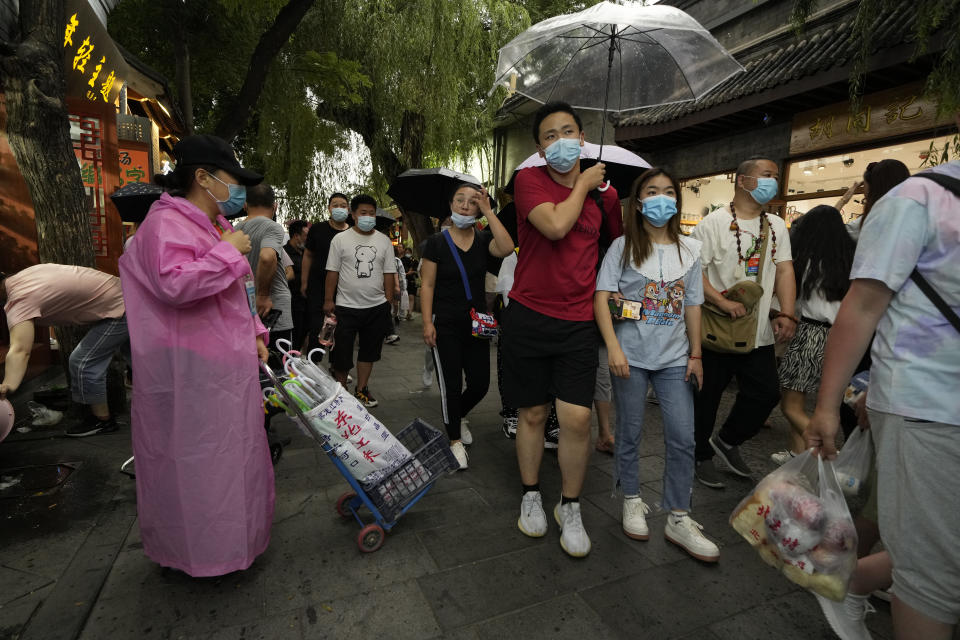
(558, 278)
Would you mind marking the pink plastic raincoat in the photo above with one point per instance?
(204, 478)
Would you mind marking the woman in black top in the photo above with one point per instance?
(446, 309)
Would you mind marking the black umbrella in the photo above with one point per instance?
(133, 200)
(623, 167)
(427, 191)
(385, 220)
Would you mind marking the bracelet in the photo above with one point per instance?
(787, 316)
(695, 357)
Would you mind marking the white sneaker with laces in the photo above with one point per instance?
(533, 521)
(685, 532)
(634, 522)
(460, 453)
(573, 537)
(781, 457)
(465, 436)
(846, 618)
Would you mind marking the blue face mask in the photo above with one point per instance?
(563, 154)
(461, 221)
(234, 202)
(366, 223)
(339, 214)
(765, 191)
(659, 209)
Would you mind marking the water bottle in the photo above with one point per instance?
(850, 485)
(326, 332)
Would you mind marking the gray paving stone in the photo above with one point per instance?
(398, 611)
(15, 614)
(15, 584)
(565, 617)
(286, 625)
(792, 617)
(484, 589)
(672, 600)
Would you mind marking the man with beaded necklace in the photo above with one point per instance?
(732, 240)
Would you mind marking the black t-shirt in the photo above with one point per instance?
(408, 264)
(318, 243)
(450, 302)
(296, 256)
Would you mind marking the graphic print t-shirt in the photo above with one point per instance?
(361, 260)
(665, 283)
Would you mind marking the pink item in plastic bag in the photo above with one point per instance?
(205, 488)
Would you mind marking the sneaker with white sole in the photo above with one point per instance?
(465, 436)
(510, 427)
(573, 537)
(460, 453)
(551, 439)
(705, 471)
(392, 339)
(780, 458)
(847, 618)
(533, 521)
(685, 532)
(634, 520)
(730, 456)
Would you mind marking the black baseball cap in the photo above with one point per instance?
(211, 150)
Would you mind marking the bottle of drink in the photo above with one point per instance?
(326, 332)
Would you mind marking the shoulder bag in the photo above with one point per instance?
(482, 325)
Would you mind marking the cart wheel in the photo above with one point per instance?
(370, 538)
(276, 451)
(343, 504)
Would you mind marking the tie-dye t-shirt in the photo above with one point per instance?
(916, 354)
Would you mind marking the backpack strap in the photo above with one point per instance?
(952, 185)
(456, 258)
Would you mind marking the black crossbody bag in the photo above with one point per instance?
(953, 186)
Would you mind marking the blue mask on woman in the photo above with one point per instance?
(366, 223)
(339, 214)
(765, 191)
(234, 202)
(658, 209)
(461, 221)
(563, 154)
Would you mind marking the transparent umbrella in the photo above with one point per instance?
(616, 57)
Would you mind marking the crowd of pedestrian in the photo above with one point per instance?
(598, 303)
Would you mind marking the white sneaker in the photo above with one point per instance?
(393, 338)
(460, 453)
(685, 532)
(573, 537)
(533, 521)
(846, 618)
(465, 436)
(634, 522)
(427, 379)
(781, 457)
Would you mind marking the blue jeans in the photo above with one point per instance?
(676, 404)
(91, 358)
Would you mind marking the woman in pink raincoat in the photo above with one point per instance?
(204, 478)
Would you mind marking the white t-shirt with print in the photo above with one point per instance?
(722, 267)
(361, 260)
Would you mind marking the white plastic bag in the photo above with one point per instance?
(853, 461)
(798, 521)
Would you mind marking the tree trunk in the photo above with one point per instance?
(181, 54)
(267, 49)
(38, 128)
(412, 130)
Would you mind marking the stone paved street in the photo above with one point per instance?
(455, 566)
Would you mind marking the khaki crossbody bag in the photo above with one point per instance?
(724, 334)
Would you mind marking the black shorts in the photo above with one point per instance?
(546, 358)
(372, 324)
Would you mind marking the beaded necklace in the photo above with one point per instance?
(756, 247)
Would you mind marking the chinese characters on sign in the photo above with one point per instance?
(92, 62)
(134, 166)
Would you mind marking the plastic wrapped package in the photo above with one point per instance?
(854, 460)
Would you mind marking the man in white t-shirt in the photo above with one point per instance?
(362, 272)
(732, 240)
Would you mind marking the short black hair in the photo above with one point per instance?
(461, 185)
(297, 226)
(337, 194)
(747, 166)
(360, 199)
(549, 109)
(261, 195)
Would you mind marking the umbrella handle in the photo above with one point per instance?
(604, 187)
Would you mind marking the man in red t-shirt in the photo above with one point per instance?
(550, 340)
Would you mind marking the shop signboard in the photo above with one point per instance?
(882, 115)
(94, 67)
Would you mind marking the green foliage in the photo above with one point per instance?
(932, 19)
